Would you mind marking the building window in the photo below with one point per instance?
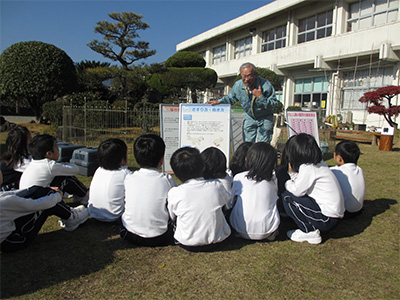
(355, 85)
(203, 54)
(219, 54)
(315, 27)
(368, 13)
(274, 39)
(243, 47)
(311, 92)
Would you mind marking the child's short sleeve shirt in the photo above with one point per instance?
(351, 180)
(196, 206)
(107, 194)
(319, 183)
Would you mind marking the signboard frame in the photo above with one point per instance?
(169, 131)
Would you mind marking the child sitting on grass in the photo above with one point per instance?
(16, 157)
(215, 167)
(145, 219)
(23, 213)
(350, 176)
(45, 171)
(107, 191)
(196, 205)
(255, 215)
(313, 197)
(237, 163)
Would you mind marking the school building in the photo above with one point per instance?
(328, 53)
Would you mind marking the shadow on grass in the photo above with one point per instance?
(356, 225)
(59, 256)
(346, 227)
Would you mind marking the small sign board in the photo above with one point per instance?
(204, 125)
(387, 130)
(302, 122)
(169, 120)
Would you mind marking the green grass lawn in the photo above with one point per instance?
(359, 259)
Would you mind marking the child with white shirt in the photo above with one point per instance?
(107, 190)
(16, 157)
(44, 170)
(23, 213)
(237, 164)
(350, 176)
(313, 197)
(215, 167)
(145, 219)
(196, 206)
(255, 214)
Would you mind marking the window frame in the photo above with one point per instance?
(269, 45)
(245, 49)
(360, 83)
(355, 22)
(309, 94)
(220, 57)
(310, 28)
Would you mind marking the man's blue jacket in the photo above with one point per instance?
(256, 108)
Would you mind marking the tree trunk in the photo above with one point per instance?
(17, 107)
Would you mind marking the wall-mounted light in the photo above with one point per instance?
(252, 30)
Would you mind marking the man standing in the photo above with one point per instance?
(257, 97)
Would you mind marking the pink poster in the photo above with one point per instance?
(302, 122)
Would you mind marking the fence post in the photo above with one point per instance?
(84, 129)
(126, 116)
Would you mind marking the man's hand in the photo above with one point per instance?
(257, 92)
(213, 102)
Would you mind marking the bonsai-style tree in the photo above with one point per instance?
(37, 73)
(119, 39)
(184, 70)
(379, 102)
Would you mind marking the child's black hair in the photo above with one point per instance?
(17, 146)
(349, 151)
(111, 152)
(214, 163)
(261, 160)
(149, 149)
(40, 145)
(237, 162)
(187, 163)
(301, 149)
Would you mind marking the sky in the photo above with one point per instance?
(69, 24)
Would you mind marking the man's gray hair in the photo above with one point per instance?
(248, 65)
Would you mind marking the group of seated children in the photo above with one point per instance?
(201, 212)
(32, 188)
(316, 197)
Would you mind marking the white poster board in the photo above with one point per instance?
(169, 122)
(204, 125)
(302, 122)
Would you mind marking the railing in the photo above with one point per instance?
(91, 125)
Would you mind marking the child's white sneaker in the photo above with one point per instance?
(312, 237)
(78, 216)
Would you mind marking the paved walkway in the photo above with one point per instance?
(20, 119)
